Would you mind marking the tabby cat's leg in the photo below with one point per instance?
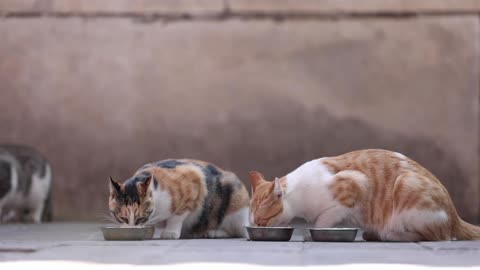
(173, 229)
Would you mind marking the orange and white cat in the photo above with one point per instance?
(195, 198)
(389, 196)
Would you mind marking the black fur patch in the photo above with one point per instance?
(130, 194)
(155, 183)
(207, 207)
(215, 189)
(5, 178)
(225, 193)
(143, 176)
(211, 172)
(168, 164)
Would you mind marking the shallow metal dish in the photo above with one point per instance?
(150, 232)
(333, 234)
(269, 233)
(128, 234)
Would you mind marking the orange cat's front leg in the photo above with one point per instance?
(331, 216)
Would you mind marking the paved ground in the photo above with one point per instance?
(56, 244)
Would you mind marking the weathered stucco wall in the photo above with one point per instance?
(103, 87)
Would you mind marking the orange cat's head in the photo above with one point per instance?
(266, 207)
(131, 203)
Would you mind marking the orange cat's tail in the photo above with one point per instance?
(467, 231)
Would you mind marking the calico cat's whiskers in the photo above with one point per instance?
(153, 220)
(107, 218)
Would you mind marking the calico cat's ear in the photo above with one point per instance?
(114, 186)
(255, 179)
(143, 186)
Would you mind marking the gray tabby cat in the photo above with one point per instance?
(25, 185)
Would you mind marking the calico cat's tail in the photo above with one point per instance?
(467, 231)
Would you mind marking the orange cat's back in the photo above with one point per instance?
(393, 189)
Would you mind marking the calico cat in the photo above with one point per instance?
(389, 196)
(25, 185)
(195, 198)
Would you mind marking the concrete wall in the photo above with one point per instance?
(101, 87)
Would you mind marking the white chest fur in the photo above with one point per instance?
(307, 192)
(163, 205)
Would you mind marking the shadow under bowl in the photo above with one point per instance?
(333, 234)
(269, 233)
(128, 233)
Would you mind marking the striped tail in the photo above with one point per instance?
(467, 231)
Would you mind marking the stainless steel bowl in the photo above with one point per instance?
(128, 234)
(269, 233)
(333, 234)
(150, 232)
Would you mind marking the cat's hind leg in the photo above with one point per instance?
(420, 211)
(234, 223)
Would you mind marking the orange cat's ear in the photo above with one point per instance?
(143, 186)
(278, 188)
(255, 179)
(114, 186)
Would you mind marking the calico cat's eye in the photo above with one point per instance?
(140, 220)
(124, 219)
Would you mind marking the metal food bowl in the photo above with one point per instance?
(150, 232)
(128, 233)
(333, 234)
(269, 233)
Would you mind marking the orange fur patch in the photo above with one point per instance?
(265, 205)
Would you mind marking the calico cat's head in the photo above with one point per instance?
(266, 206)
(131, 203)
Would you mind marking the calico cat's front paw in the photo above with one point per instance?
(169, 235)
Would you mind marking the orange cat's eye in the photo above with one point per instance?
(265, 204)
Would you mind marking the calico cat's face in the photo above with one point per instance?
(266, 206)
(131, 203)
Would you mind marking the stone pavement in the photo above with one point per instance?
(68, 245)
